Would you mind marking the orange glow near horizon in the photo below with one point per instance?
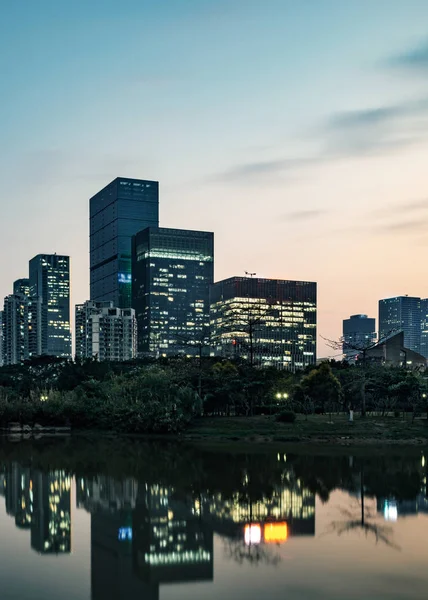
(275, 533)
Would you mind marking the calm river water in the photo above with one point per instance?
(109, 520)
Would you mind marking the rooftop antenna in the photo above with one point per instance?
(250, 274)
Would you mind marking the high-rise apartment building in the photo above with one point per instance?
(50, 282)
(21, 319)
(359, 332)
(15, 329)
(118, 212)
(402, 313)
(265, 321)
(172, 270)
(105, 332)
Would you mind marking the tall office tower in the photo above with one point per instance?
(402, 313)
(50, 281)
(15, 329)
(105, 332)
(172, 270)
(118, 212)
(1, 339)
(424, 327)
(265, 321)
(359, 332)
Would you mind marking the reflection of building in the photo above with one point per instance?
(392, 352)
(112, 573)
(268, 321)
(293, 505)
(117, 212)
(51, 522)
(107, 494)
(105, 332)
(393, 509)
(171, 542)
(40, 502)
(172, 270)
(402, 313)
(359, 331)
(140, 540)
(50, 281)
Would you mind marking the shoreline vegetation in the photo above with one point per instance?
(214, 400)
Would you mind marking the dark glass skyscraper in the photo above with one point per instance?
(402, 313)
(266, 321)
(118, 212)
(50, 281)
(172, 270)
(359, 332)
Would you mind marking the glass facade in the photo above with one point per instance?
(172, 272)
(359, 332)
(118, 212)
(424, 327)
(266, 321)
(50, 281)
(402, 313)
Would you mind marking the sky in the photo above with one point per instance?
(297, 131)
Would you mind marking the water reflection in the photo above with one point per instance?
(40, 503)
(155, 510)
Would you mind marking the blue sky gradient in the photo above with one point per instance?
(297, 131)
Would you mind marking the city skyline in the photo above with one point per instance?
(225, 131)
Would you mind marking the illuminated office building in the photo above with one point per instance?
(172, 271)
(50, 281)
(118, 212)
(265, 321)
(402, 313)
(105, 332)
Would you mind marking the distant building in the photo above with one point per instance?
(266, 321)
(21, 325)
(359, 331)
(172, 273)
(1, 339)
(402, 313)
(424, 327)
(105, 332)
(50, 281)
(392, 352)
(118, 212)
(21, 286)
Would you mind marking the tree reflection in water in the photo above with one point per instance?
(362, 518)
(240, 552)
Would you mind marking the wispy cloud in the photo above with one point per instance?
(415, 59)
(303, 215)
(371, 131)
(412, 226)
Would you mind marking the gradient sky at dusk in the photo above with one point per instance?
(296, 130)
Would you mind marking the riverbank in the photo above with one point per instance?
(316, 429)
